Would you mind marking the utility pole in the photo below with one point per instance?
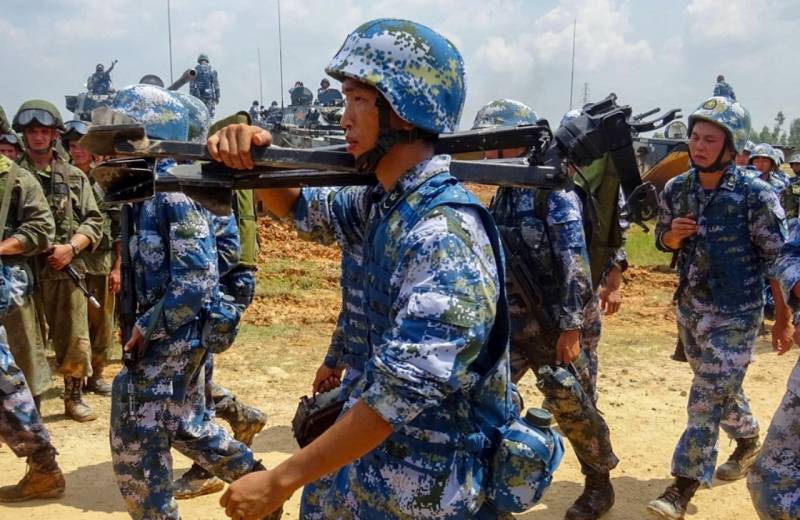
(260, 80)
(572, 72)
(169, 36)
(280, 48)
(585, 94)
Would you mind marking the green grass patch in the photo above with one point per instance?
(283, 276)
(641, 247)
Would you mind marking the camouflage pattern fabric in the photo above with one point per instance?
(99, 83)
(719, 301)
(790, 200)
(556, 248)
(161, 403)
(722, 88)
(774, 479)
(101, 321)
(504, 112)
(428, 90)
(414, 374)
(31, 223)
(21, 426)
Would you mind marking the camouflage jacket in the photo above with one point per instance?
(29, 219)
(722, 88)
(741, 231)
(72, 205)
(555, 251)
(790, 200)
(174, 254)
(226, 232)
(100, 261)
(205, 86)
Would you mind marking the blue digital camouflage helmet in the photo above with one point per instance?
(165, 114)
(504, 113)
(764, 150)
(727, 114)
(418, 71)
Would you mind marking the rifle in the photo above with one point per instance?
(127, 295)
(76, 279)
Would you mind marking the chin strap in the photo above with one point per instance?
(717, 165)
(387, 137)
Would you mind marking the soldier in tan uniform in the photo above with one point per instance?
(102, 265)
(78, 224)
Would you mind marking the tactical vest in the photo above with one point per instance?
(478, 413)
(244, 207)
(736, 273)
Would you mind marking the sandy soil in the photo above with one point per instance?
(643, 395)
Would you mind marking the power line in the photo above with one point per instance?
(169, 33)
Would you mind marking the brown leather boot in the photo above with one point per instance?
(74, 406)
(738, 464)
(596, 499)
(95, 382)
(38, 482)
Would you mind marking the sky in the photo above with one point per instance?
(651, 54)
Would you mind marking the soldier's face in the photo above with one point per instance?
(9, 150)
(360, 118)
(39, 138)
(795, 168)
(742, 159)
(763, 164)
(706, 143)
(79, 154)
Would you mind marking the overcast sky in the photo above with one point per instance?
(650, 53)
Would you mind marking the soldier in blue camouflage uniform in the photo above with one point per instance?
(21, 426)
(722, 88)
(205, 85)
(743, 158)
(160, 403)
(727, 227)
(790, 197)
(766, 162)
(774, 479)
(432, 273)
(553, 251)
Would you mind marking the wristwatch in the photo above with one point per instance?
(75, 249)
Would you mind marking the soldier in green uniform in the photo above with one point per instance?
(78, 225)
(28, 231)
(103, 265)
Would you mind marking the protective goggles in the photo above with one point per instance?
(80, 127)
(30, 115)
(9, 138)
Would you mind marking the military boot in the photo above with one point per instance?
(245, 421)
(43, 479)
(738, 464)
(74, 407)
(673, 502)
(196, 482)
(596, 499)
(95, 382)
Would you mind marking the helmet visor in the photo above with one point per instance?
(78, 127)
(30, 115)
(9, 138)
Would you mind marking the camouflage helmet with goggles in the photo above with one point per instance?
(417, 70)
(165, 114)
(74, 130)
(37, 111)
(763, 150)
(11, 138)
(202, 57)
(504, 113)
(727, 114)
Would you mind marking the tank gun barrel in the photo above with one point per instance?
(187, 76)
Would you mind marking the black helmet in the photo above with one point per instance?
(255, 102)
(99, 67)
(324, 83)
(720, 78)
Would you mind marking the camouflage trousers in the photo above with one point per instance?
(774, 479)
(220, 401)
(570, 395)
(719, 349)
(101, 321)
(21, 426)
(27, 345)
(67, 327)
(150, 415)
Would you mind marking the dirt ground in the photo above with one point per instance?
(642, 394)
